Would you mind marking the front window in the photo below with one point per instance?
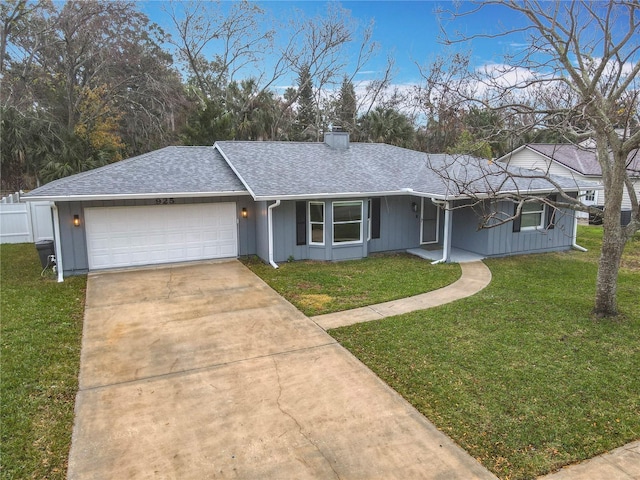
(590, 196)
(316, 223)
(347, 222)
(532, 215)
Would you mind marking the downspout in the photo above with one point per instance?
(270, 231)
(57, 241)
(446, 242)
(574, 245)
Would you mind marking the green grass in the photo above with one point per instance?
(521, 375)
(324, 287)
(40, 341)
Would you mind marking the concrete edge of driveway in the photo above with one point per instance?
(623, 463)
(475, 277)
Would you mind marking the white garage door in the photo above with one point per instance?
(146, 235)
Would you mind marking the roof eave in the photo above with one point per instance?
(131, 196)
(329, 195)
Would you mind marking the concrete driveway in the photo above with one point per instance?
(202, 371)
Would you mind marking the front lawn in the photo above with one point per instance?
(324, 287)
(521, 375)
(40, 338)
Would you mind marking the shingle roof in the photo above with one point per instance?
(171, 170)
(581, 159)
(272, 170)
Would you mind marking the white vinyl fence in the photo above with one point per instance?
(24, 222)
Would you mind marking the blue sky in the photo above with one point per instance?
(407, 30)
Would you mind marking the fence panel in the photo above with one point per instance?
(41, 221)
(15, 223)
(24, 222)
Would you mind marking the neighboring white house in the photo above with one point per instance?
(575, 161)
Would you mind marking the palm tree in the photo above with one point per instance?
(387, 125)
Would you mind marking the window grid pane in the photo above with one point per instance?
(347, 213)
(531, 220)
(346, 232)
(347, 222)
(316, 212)
(532, 208)
(316, 222)
(317, 233)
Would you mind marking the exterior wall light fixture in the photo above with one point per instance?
(244, 213)
(76, 220)
(414, 207)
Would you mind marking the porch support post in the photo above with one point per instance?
(446, 241)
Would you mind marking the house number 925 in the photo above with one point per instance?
(165, 201)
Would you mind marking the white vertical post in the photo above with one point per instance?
(446, 241)
(57, 241)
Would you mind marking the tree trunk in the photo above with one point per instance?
(608, 266)
(613, 238)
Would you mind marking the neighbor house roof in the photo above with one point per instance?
(176, 171)
(272, 170)
(280, 170)
(582, 160)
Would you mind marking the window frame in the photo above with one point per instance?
(311, 223)
(334, 223)
(590, 196)
(542, 211)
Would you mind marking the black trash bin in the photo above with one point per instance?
(45, 249)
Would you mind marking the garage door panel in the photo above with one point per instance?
(126, 236)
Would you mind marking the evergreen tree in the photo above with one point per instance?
(304, 126)
(347, 107)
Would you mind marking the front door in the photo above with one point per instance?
(429, 222)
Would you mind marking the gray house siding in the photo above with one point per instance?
(399, 230)
(284, 228)
(74, 241)
(399, 225)
(465, 233)
(262, 238)
(502, 240)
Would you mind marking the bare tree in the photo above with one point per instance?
(217, 42)
(574, 70)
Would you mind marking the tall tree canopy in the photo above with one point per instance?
(90, 78)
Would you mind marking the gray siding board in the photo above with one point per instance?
(501, 240)
(262, 239)
(284, 229)
(465, 234)
(399, 225)
(74, 244)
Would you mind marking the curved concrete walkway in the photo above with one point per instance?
(621, 464)
(475, 276)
